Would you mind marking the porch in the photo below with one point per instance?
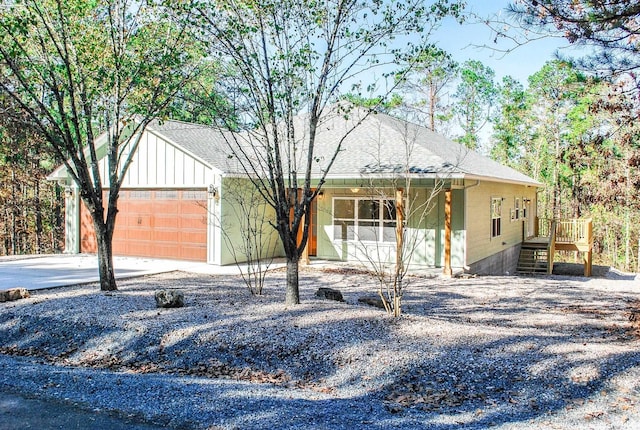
(551, 235)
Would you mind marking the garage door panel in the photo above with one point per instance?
(141, 221)
(192, 223)
(140, 206)
(136, 234)
(166, 208)
(172, 236)
(161, 224)
(166, 250)
(197, 253)
(167, 222)
(190, 237)
(193, 208)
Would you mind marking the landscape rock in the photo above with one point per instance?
(330, 294)
(169, 299)
(371, 301)
(13, 294)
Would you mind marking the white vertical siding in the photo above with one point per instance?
(152, 158)
(161, 162)
(158, 163)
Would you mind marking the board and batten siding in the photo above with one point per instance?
(245, 219)
(480, 244)
(426, 230)
(158, 163)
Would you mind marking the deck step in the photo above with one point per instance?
(534, 258)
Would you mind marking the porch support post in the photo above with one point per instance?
(447, 233)
(304, 258)
(588, 262)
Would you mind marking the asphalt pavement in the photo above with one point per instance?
(18, 412)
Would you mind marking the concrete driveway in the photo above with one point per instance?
(39, 272)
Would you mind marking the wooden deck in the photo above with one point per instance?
(537, 252)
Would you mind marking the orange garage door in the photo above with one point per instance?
(159, 224)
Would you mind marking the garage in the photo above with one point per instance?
(155, 223)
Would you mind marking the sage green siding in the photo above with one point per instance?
(245, 216)
(425, 232)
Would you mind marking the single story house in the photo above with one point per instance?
(464, 211)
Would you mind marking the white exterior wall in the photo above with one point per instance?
(160, 164)
(71, 220)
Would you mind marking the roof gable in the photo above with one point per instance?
(372, 144)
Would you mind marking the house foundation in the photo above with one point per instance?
(501, 263)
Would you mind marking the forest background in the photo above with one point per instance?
(572, 126)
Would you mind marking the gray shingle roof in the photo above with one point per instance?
(380, 146)
(385, 145)
(206, 143)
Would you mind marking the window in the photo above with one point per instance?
(364, 219)
(515, 214)
(194, 195)
(140, 195)
(496, 216)
(525, 203)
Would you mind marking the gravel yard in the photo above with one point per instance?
(500, 352)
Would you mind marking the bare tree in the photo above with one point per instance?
(388, 250)
(289, 58)
(92, 75)
(249, 237)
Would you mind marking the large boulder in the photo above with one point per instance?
(330, 294)
(13, 294)
(169, 299)
(371, 301)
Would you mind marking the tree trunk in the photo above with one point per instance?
(292, 296)
(557, 212)
(38, 214)
(105, 259)
(14, 233)
(432, 107)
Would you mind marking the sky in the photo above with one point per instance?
(462, 42)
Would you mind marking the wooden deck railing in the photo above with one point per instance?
(567, 235)
(569, 231)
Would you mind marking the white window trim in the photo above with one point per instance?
(515, 213)
(381, 221)
(525, 211)
(495, 199)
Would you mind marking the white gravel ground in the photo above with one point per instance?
(500, 352)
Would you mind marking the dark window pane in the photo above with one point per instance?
(389, 210)
(368, 209)
(343, 208)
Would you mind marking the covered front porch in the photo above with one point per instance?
(356, 220)
(550, 235)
